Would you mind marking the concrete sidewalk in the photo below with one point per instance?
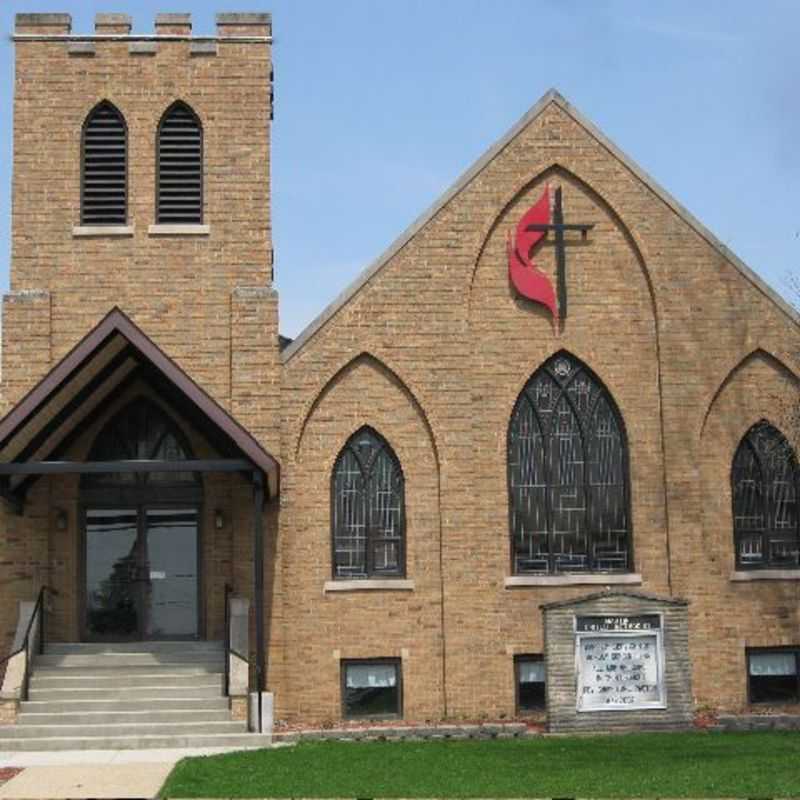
(131, 780)
(78, 774)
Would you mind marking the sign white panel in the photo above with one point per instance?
(619, 671)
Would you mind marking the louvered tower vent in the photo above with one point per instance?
(180, 168)
(104, 195)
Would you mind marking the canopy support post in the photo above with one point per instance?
(258, 582)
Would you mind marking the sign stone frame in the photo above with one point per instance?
(625, 610)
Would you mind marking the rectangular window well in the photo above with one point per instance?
(774, 675)
(372, 689)
(530, 683)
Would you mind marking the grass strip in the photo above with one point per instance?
(674, 765)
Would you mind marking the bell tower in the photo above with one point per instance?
(141, 179)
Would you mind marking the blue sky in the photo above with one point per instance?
(381, 105)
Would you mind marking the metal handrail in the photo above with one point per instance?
(38, 611)
(228, 592)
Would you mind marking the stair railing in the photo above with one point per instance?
(31, 643)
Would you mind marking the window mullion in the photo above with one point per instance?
(547, 443)
(587, 495)
(369, 561)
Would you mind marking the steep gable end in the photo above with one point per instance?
(551, 99)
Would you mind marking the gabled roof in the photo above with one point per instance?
(651, 598)
(551, 97)
(111, 355)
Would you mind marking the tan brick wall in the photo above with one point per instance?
(184, 291)
(728, 616)
(654, 310)
(177, 288)
(321, 629)
(432, 352)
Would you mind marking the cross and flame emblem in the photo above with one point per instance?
(528, 279)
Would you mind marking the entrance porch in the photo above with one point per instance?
(142, 505)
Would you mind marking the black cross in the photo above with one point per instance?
(559, 227)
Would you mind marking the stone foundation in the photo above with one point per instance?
(239, 709)
(758, 722)
(8, 712)
(413, 733)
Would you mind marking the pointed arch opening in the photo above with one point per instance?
(764, 492)
(104, 167)
(141, 532)
(368, 525)
(179, 167)
(568, 475)
(141, 430)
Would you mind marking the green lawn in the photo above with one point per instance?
(638, 765)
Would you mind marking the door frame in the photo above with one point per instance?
(140, 505)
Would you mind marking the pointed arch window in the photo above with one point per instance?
(179, 167)
(764, 489)
(568, 474)
(104, 167)
(141, 430)
(367, 509)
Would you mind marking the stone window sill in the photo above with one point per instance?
(179, 230)
(102, 230)
(382, 584)
(519, 581)
(745, 576)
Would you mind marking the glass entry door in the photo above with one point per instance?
(141, 573)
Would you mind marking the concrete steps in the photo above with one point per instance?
(93, 705)
(127, 696)
(167, 678)
(115, 716)
(152, 692)
(143, 728)
(133, 742)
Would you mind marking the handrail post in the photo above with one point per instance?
(42, 612)
(26, 644)
(228, 591)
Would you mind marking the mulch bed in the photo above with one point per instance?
(7, 773)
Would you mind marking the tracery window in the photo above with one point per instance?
(141, 430)
(764, 488)
(104, 167)
(179, 167)
(367, 509)
(568, 474)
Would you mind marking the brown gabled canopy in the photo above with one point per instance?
(43, 425)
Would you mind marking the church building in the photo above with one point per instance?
(537, 462)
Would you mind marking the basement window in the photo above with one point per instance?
(529, 674)
(372, 689)
(774, 675)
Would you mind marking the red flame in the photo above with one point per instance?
(529, 280)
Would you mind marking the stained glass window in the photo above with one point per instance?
(567, 474)
(764, 482)
(140, 431)
(368, 509)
